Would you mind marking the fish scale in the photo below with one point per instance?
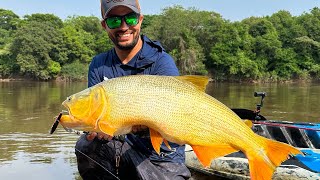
(175, 109)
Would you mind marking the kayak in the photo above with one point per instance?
(235, 166)
(303, 135)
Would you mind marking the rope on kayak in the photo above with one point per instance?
(97, 163)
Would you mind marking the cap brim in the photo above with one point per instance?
(133, 8)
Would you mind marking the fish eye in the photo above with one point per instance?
(69, 98)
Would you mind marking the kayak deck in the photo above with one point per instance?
(236, 166)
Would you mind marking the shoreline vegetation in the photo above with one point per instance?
(277, 48)
(61, 79)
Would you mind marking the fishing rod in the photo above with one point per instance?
(54, 127)
(284, 125)
(97, 163)
(258, 116)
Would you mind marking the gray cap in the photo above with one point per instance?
(107, 5)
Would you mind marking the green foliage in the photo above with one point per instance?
(175, 29)
(89, 24)
(100, 42)
(287, 27)
(148, 20)
(75, 71)
(285, 63)
(272, 48)
(78, 43)
(311, 23)
(8, 20)
(83, 38)
(54, 67)
(4, 37)
(33, 48)
(6, 66)
(8, 23)
(48, 19)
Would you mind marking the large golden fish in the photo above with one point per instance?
(175, 109)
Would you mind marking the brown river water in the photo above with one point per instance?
(27, 151)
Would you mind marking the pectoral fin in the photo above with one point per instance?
(166, 143)
(156, 140)
(205, 154)
(106, 128)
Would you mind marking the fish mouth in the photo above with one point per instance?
(57, 121)
(67, 111)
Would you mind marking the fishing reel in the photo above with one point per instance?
(253, 115)
(259, 106)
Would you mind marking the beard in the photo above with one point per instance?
(127, 46)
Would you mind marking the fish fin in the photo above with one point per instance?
(166, 143)
(156, 140)
(263, 163)
(205, 154)
(200, 82)
(249, 123)
(105, 128)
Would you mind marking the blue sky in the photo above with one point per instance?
(229, 9)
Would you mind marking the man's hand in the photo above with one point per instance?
(138, 128)
(99, 135)
(103, 136)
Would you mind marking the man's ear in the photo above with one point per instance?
(141, 18)
(103, 24)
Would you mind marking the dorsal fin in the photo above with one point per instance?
(200, 82)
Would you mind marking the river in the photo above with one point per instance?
(27, 151)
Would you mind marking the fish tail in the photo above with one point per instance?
(263, 163)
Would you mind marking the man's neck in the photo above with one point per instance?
(126, 55)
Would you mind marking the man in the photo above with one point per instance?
(100, 156)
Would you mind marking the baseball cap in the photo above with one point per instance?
(107, 5)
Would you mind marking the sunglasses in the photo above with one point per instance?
(114, 22)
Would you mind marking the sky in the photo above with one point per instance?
(233, 10)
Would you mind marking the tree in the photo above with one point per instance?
(285, 63)
(79, 44)
(287, 27)
(308, 53)
(48, 19)
(84, 37)
(6, 65)
(175, 29)
(34, 48)
(311, 23)
(231, 58)
(8, 24)
(8, 20)
(147, 20)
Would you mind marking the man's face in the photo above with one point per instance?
(125, 37)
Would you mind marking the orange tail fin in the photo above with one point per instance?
(206, 154)
(263, 163)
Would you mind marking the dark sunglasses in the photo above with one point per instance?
(114, 22)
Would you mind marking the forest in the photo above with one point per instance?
(275, 48)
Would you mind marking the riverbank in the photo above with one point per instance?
(249, 81)
(10, 80)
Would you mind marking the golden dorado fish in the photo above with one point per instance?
(175, 109)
